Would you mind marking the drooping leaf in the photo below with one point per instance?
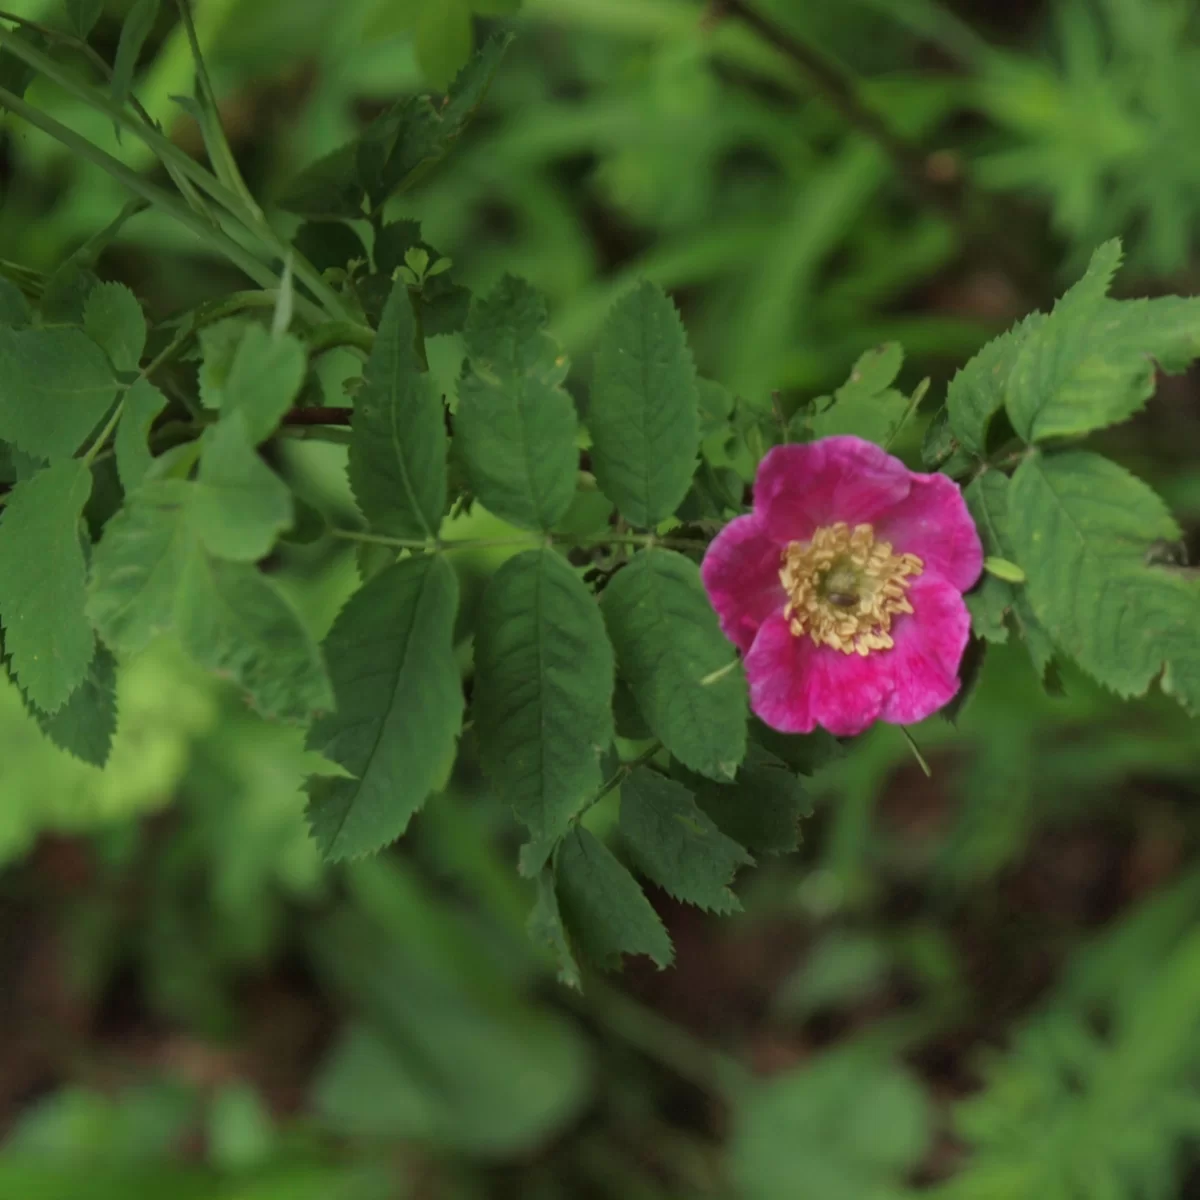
(1081, 528)
(240, 506)
(143, 405)
(515, 425)
(762, 808)
(681, 669)
(139, 24)
(675, 844)
(398, 447)
(976, 393)
(43, 578)
(543, 690)
(85, 724)
(604, 908)
(113, 319)
(82, 15)
(546, 928)
(399, 706)
(264, 379)
(644, 407)
(1093, 362)
(151, 576)
(994, 599)
(866, 405)
(57, 387)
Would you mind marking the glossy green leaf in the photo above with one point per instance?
(515, 425)
(57, 387)
(151, 577)
(240, 506)
(398, 711)
(1081, 528)
(669, 648)
(43, 579)
(762, 808)
(144, 403)
(113, 319)
(674, 843)
(604, 908)
(398, 447)
(543, 690)
(1094, 360)
(644, 415)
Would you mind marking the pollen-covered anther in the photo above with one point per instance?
(844, 588)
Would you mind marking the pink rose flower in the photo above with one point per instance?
(843, 588)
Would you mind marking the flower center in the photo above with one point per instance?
(844, 588)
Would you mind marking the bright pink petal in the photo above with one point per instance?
(799, 488)
(932, 522)
(796, 685)
(741, 574)
(923, 664)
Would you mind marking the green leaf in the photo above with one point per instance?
(82, 15)
(137, 28)
(400, 146)
(113, 319)
(443, 40)
(515, 427)
(143, 404)
(994, 599)
(976, 393)
(644, 408)
(264, 379)
(762, 808)
(844, 1126)
(1003, 569)
(546, 929)
(604, 908)
(675, 844)
(152, 577)
(327, 189)
(43, 578)
(543, 690)
(399, 706)
(1094, 360)
(716, 407)
(85, 724)
(866, 405)
(1081, 528)
(219, 343)
(240, 506)
(57, 387)
(398, 446)
(668, 643)
(14, 308)
(329, 244)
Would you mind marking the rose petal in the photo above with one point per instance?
(796, 685)
(799, 488)
(923, 664)
(933, 523)
(741, 575)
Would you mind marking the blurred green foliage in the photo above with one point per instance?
(384, 1028)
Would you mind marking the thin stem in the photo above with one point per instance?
(916, 751)
(437, 546)
(220, 241)
(840, 90)
(248, 214)
(89, 455)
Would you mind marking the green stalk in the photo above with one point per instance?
(171, 156)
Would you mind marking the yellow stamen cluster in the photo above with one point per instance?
(844, 588)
